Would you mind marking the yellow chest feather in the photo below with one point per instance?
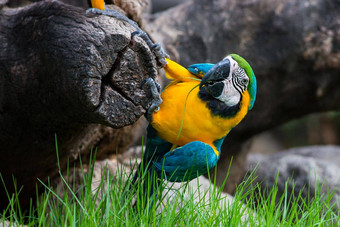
(184, 117)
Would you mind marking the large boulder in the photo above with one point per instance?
(306, 168)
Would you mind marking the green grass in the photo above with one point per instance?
(110, 204)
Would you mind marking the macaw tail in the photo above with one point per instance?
(147, 180)
(146, 185)
(99, 4)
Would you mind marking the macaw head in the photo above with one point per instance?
(228, 80)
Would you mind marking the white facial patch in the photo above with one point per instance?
(230, 95)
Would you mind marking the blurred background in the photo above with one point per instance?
(314, 129)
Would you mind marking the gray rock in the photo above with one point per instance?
(198, 189)
(307, 167)
(5, 223)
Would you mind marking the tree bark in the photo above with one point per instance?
(293, 47)
(64, 73)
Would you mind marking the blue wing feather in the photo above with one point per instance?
(200, 69)
(187, 162)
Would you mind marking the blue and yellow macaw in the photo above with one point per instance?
(200, 106)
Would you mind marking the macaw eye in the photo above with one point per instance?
(244, 81)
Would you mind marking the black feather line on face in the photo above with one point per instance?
(216, 106)
(237, 87)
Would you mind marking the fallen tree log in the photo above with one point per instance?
(64, 73)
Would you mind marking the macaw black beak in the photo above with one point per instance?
(218, 72)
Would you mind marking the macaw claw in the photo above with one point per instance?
(111, 13)
(160, 54)
(156, 49)
(155, 89)
(90, 11)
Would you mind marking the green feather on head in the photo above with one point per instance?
(252, 87)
